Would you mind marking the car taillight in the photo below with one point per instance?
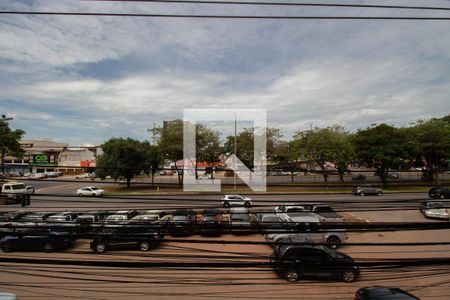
(358, 295)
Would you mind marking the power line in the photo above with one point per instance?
(249, 17)
(262, 3)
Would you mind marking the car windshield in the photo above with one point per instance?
(116, 218)
(240, 217)
(180, 218)
(436, 205)
(209, 218)
(324, 209)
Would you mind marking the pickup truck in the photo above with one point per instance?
(324, 212)
(15, 191)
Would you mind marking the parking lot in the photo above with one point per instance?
(31, 274)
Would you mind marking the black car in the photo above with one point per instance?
(383, 293)
(296, 261)
(40, 239)
(210, 223)
(125, 237)
(91, 221)
(182, 222)
(439, 193)
(36, 217)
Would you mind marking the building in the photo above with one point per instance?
(48, 156)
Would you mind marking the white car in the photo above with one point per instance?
(37, 175)
(236, 200)
(90, 191)
(84, 175)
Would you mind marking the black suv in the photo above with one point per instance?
(296, 261)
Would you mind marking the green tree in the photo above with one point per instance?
(10, 141)
(430, 142)
(245, 145)
(153, 159)
(325, 145)
(121, 157)
(382, 147)
(287, 153)
(171, 143)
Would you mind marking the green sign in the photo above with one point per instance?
(41, 160)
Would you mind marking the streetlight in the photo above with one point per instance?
(4, 119)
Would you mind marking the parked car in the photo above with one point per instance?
(236, 200)
(123, 238)
(91, 221)
(8, 223)
(363, 190)
(36, 217)
(240, 220)
(121, 216)
(182, 222)
(306, 228)
(210, 222)
(83, 175)
(289, 208)
(325, 212)
(40, 239)
(90, 191)
(38, 175)
(297, 261)
(63, 217)
(433, 209)
(383, 293)
(439, 192)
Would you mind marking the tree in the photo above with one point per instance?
(10, 142)
(153, 159)
(121, 157)
(245, 145)
(430, 142)
(382, 147)
(288, 153)
(171, 144)
(325, 145)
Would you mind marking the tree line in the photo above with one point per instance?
(424, 144)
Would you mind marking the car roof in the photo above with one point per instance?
(388, 292)
(239, 209)
(307, 217)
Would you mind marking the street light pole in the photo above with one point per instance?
(235, 151)
(4, 119)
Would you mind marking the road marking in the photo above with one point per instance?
(56, 187)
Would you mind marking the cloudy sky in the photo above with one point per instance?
(84, 79)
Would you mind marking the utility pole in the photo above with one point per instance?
(235, 149)
(4, 119)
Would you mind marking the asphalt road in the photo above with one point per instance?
(75, 281)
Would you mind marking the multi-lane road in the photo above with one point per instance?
(72, 278)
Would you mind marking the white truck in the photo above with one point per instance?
(15, 191)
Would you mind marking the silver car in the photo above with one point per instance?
(310, 222)
(432, 209)
(236, 200)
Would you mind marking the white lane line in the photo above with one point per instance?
(56, 187)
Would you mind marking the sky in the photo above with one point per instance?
(83, 79)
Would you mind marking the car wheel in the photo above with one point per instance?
(442, 196)
(79, 194)
(94, 194)
(48, 247)
(361, 194)
(349, 275)
(380, 193)
(247, 204)
(100, 248)
(226, 204)
(292, 275)
(144, 246)
(333, 242)
(6, 247)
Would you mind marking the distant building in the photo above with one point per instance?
(48, 156)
